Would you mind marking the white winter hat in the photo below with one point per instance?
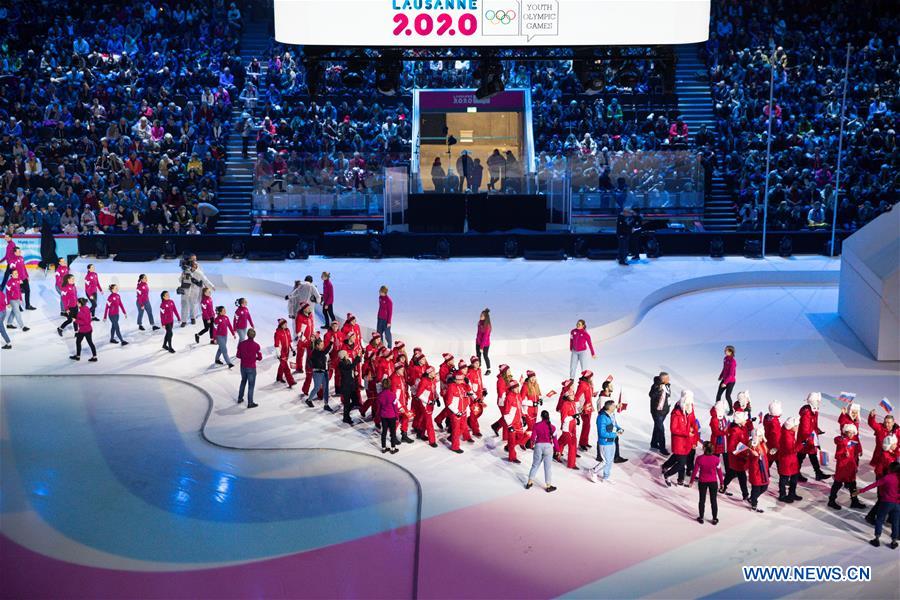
(790, 423)
(687, 398)
(850, 429)
(854, 408)
(814, 399)
(887, 442)
(740, 417)
(721, 408)
(744, 397)
(775, 408)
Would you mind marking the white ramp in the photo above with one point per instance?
(869, 300)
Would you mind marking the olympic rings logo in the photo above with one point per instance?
(500, 17)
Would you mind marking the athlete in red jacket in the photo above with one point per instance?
(401, 391)
(568, 425)
(584, 402)
(504, 377)
(304, 325)
(738, 439)
(455, 400)
(772, 425)
(846, 458)
(512, 420)
(427, 394)
(283, 351)
(788, 465)
(809, 430)
(476, 386)
(757, 467)
(882, 430)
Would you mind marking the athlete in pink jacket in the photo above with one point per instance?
(242, 319)
(113, 307)
(84, 331)
(167, 315)
(91, 289)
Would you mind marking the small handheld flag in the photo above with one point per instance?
(740, 448)
(824, 458)
(886, 405)
(847, 397)
(551, 393)
(609, 377)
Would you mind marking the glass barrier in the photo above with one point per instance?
(605, 182)
(306, 185)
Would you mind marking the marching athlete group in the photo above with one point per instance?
(403, 392)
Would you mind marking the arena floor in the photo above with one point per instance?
(140, 476)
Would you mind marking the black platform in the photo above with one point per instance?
(448, 213)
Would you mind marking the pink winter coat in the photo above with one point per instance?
(83, 320)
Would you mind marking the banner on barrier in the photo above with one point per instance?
(66, 245)
(445, 23)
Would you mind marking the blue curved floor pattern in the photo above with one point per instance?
(107, 466)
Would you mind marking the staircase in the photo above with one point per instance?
(236, 187)
(695, 105)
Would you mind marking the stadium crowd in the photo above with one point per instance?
(806, 41)
(114, 118)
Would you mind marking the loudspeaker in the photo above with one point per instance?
(544, 255)
(716, 248)
(602, 255)
(376, 250)
(136, 256)
(785, 247)
(511, 248)
(266, 255)
(442, 248)
(653, 248)
(753, 249)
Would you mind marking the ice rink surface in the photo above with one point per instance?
(140, 472)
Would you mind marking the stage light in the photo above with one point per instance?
(387, 73)
(376, 250)
(443, 248)
(716, 248)
(786, 247)
(753, 249)
(511, 248)
(490, 74)
(653, 248)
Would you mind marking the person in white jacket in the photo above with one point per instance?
(304, 291)
(193, 280)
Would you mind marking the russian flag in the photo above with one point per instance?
(847, 397)
(740, 448)
(886, 405)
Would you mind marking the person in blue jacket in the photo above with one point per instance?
(608, 431)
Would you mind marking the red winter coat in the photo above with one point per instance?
(881, 432)
(398, 385)
(788, 449)
(737, 435)
(758, 465)
(846, 459)
(719, 436)
(426, 392)
(304, 326)
(683, 428)
(512, 410)
(809, 424)
(772, 427)
(584, 397)
(886, 459)
(283, 342)
(844, 419)
(567, 417)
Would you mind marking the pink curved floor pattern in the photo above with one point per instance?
(348, 570)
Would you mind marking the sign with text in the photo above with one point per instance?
(490, 22)
(463, 100)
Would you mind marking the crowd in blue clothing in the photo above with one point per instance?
(115, 114)
(807, 42)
